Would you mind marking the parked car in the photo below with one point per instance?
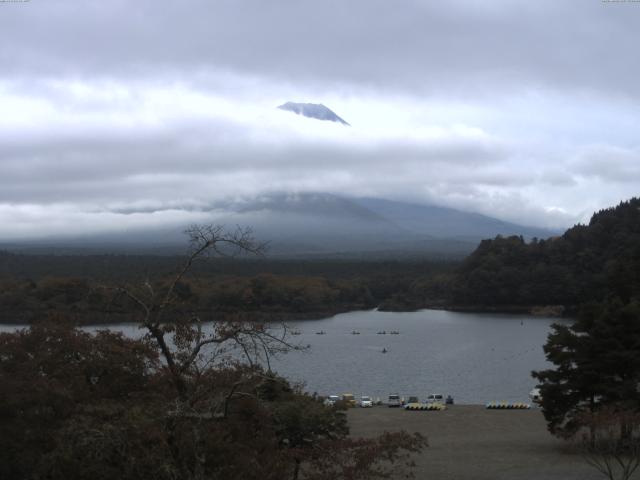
(435, 398)
(349, 400)
(394, 400)
(535, 395)
(413, 399)
(366, 401)
(331, 400)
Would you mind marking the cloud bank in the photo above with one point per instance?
(122, 115)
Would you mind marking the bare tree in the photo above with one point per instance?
(190, 347)
(197, 354)
(612, 443)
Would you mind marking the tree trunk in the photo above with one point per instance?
(296, 470)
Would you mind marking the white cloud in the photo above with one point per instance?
(524, 110)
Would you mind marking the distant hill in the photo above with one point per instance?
(318, 225)
(313, 110)
(443, 222)
(589, 262)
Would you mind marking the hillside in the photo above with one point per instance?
(589, 262)
(324, 224)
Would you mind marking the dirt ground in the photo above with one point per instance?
(470, 442)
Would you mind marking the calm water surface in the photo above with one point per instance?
(474, 357)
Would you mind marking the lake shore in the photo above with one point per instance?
(96, 318)
(471, 442)
(535, 310)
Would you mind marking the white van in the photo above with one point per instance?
(435, 398)
(394, 400)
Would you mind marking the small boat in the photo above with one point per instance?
(394, 332)
(384, 350)
(383, 332)
(321, 332)
(355, 333)
(296, 332)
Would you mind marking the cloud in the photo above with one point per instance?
(171, 140)
(518, 109)
(35, 222)
(459, 45)
(609, 164)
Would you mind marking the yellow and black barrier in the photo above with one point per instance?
(507, 406)
(425, 406)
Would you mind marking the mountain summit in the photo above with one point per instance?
(313, 110)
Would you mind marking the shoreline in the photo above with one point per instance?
(558, 311)
(117, 318)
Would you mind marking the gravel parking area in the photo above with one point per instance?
(471, 442)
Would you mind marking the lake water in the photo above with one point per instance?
(476, 358)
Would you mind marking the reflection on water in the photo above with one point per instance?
(474, 357)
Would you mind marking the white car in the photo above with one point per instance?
(331, 400)
(394, 400)
(366, 402)
(535, 395)
(435, 398)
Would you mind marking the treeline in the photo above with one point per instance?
(119, 267)
(587, 263)
(86, 289)
(79, 406)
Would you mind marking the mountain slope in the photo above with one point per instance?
(587, 263)
(446, 222)
(318, 222)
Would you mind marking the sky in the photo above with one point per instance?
(133, 114)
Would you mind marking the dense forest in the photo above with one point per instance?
(84, 288)
(589, 262)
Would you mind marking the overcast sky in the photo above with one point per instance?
(524, 110)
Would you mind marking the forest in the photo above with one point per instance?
(83, 287)
(589, 262)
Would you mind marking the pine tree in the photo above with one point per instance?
(597, 364)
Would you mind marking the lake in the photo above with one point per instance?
(474, 357)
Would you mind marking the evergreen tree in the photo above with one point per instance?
(597, 364)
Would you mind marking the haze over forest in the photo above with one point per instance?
(525, 112)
